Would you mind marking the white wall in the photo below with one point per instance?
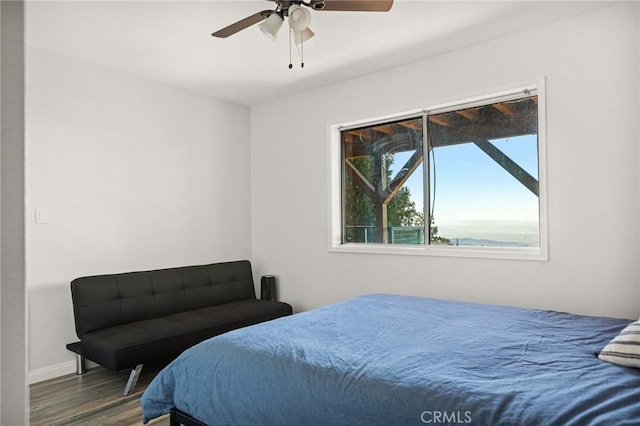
(135, 175)
(591, 65)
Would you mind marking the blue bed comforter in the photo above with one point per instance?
(398, 360)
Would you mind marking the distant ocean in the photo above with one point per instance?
(491, 233)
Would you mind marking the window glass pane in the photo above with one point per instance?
(383, 183)
(484, 175)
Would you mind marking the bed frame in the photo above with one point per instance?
(177, 418)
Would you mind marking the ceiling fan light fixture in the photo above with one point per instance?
(301, 36)
(299, 18)
(271, 26)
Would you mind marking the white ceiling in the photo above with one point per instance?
(170, 41)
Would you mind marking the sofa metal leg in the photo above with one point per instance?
(76, 348)
(133, 379)
(80, 365)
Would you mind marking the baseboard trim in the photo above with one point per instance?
(58, 370)
(51, 372)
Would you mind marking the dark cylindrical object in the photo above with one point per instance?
(268, 287)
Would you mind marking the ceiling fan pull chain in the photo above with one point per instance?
(290, 64)
(301, 51)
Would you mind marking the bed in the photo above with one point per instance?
(397, 360)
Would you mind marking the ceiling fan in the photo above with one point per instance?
(299, 17)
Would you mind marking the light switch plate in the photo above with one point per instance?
(42, 215)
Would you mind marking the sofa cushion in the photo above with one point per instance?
(126, 345)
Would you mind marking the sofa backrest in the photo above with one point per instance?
(103, 301)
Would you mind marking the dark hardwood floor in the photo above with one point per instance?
(94, 398)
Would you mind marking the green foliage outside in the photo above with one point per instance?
(401, 210)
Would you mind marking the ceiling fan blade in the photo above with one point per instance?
(242, 24)
(358, 5)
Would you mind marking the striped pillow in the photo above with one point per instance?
(624, 349)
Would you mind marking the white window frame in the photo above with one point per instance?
(539, 253)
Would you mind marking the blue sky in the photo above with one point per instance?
(471, 186)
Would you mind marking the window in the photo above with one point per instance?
(461, 179)
(382, 165)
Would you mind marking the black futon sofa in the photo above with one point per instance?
(126, 320)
